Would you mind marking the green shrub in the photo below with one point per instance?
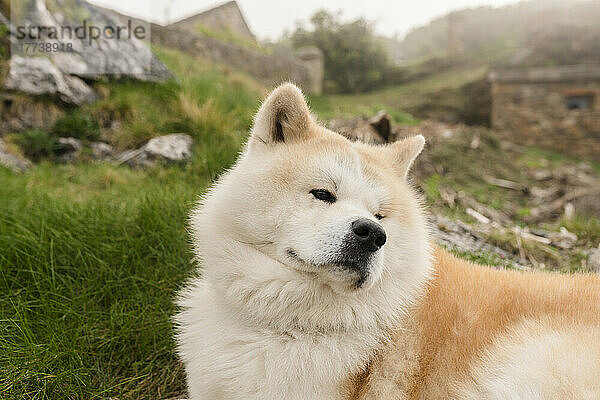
(77, 125)
(37, 144)
(355, 61)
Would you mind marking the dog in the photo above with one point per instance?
(319, 280)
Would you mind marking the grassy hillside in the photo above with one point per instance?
(92, 254)
(438, 95)
(211, 103)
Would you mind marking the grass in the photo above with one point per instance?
(204, 100)
(92, 254)
(394, 99)
(36, 144)
(465, 167)
(480, 257)
(77, 124)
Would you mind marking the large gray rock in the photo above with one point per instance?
(172, 148)
(11, 161)
(68, 149)
(175, 147)
(102, 151)
(92, 59)
(58, 73)
(38, 76)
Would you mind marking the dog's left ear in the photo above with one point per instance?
(404, 153)
(283, 117)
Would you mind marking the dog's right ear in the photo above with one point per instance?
(283, 117)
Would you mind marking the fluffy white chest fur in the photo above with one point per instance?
(230, 359)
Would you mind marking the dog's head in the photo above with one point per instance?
(304, 204)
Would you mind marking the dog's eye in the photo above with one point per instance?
(323, 195)
(379, 216)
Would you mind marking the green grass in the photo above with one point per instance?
(481, 257)
(396, 99)
(92, 254)
(464, 169)
(36, 144)
(540, 158)
(91, 258)
(205, 101)
(77, 124)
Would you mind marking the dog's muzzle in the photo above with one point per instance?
(360, 245)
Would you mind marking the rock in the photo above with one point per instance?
(569, 212)
(94, 59)
(69, 144)
(593, 261)
(61, 74)
(174, 147)
(102, 151)
(11, 161)
(134, 158)
(38, 76)
(68, 149)
(565, 239)
(541, 174)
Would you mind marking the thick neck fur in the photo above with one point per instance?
(269, 294)
(312, 339)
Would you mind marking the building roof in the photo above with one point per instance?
(202, 16)
(562, 73)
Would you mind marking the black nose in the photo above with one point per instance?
(369, 234)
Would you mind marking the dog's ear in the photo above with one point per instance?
(404, 153)
(283, 117)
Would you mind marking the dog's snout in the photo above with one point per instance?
(369, 234)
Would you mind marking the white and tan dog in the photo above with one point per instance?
(319, 281)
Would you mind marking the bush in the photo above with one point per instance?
(354, 59)
(37, 144)
(77, 125)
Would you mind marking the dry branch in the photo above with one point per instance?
(546, 210)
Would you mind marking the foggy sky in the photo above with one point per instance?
(268, 19)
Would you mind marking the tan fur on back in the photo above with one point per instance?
(469, 315)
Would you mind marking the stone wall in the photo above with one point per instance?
(267, 68)
(535, 112)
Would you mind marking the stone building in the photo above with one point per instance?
(557, 108)
(225, 18)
